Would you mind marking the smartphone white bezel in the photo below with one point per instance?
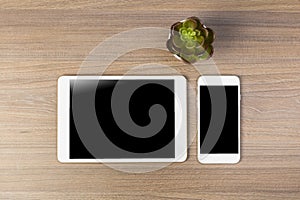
(63, 107)
(218, 81)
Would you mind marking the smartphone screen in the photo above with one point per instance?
(225, 100)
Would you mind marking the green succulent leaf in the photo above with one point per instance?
(197, 20)
(183, 31)
(204, 32)
(189, 58)
(190, 30)
(187, 51)
(207, 54)
(200, 40)
(190, 44)
(190, 23)
(198, 33)
(176, 26)
(177, 41)
(199, 50)
(210, 37)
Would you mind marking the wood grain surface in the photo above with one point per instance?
(256, 40)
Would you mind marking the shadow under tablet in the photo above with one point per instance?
(113, 141)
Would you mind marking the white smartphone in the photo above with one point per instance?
(122, 119)
(219, 119)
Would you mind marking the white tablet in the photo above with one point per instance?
(122, 119)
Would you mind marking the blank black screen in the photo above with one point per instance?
(228, 140)
(115, 143)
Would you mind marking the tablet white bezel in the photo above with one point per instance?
(63, 119)
(218, 81)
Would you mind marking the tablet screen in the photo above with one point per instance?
(122, 119)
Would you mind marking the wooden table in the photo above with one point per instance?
(42, 40)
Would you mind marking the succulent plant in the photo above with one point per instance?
(190, 40)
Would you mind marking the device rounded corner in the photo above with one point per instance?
(182, 78)
(200, 161)
(238, 160)
(60, 159)
(183, 158)
(199, 80)
(61, 78)
(237, 79)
